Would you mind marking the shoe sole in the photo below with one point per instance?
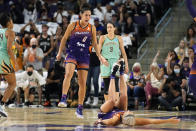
(79, 116)
(62, 105)
(3, 114)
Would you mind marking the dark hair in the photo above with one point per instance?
(4, 19)
(85, 7)
(191, 48)
(110, 22)
(30, 66)
(187, 33)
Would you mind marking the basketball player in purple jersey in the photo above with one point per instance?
(114, 110)
(81, 35)
(192, 76)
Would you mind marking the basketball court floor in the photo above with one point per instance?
(64, 119)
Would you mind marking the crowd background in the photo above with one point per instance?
(40, 25)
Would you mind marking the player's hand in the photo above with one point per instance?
(104, 61)
(58, 57)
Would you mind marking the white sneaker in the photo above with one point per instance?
(95, 101)
(2, 111)
(12, 105)
(88, 101)
(62, 104)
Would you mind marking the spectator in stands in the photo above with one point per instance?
(171, 60)
(191, 56)
(64, 24)
(33, 31)
(136, 84)
(144, 9)
(97, 24)
(43, 14)
(19, 53)
(99, 12)
(58, 15)
(54, 83)
(115, 21)
(180, 80)
(190, 37)
(127, 40)
(170, 94)
(46, 43)
(108, 14)
(181, 50)
(30, 13)
(34, 55)
(16, 13)
(57, 40)
(185, 67)
(153, 81)
(29, 81)
(93, 73)
(132, 8)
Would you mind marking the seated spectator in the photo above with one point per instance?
(185, 67)
(46, 43)
(180, 80)
(191, 56)
(129, 27)
(144, 9)
(136, 84)
(34, 55)
(97, 24)
(29, 81)
(171, 60)
(170, 95)
(181, 50)
(190, 37)
(64, 24)
(153, 81)
(54, 83)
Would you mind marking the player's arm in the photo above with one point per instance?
(191, 9)
(64, 39)
(112, 121)
(98, 50)
(123, 54)
(10, 39)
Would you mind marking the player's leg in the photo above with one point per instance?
(110, 103)
(69, 71)
(146, 121)
(11, 79)
(123, 100)
(82, 77)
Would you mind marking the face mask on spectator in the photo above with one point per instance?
(29, 73)
(33, 46)
(166, 64)
(136, 69)
(177, 71)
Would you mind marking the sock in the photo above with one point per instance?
(121, 73)
(63, 98)
(112, 76)
(80, 106)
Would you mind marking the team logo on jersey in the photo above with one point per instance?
(80, 44)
